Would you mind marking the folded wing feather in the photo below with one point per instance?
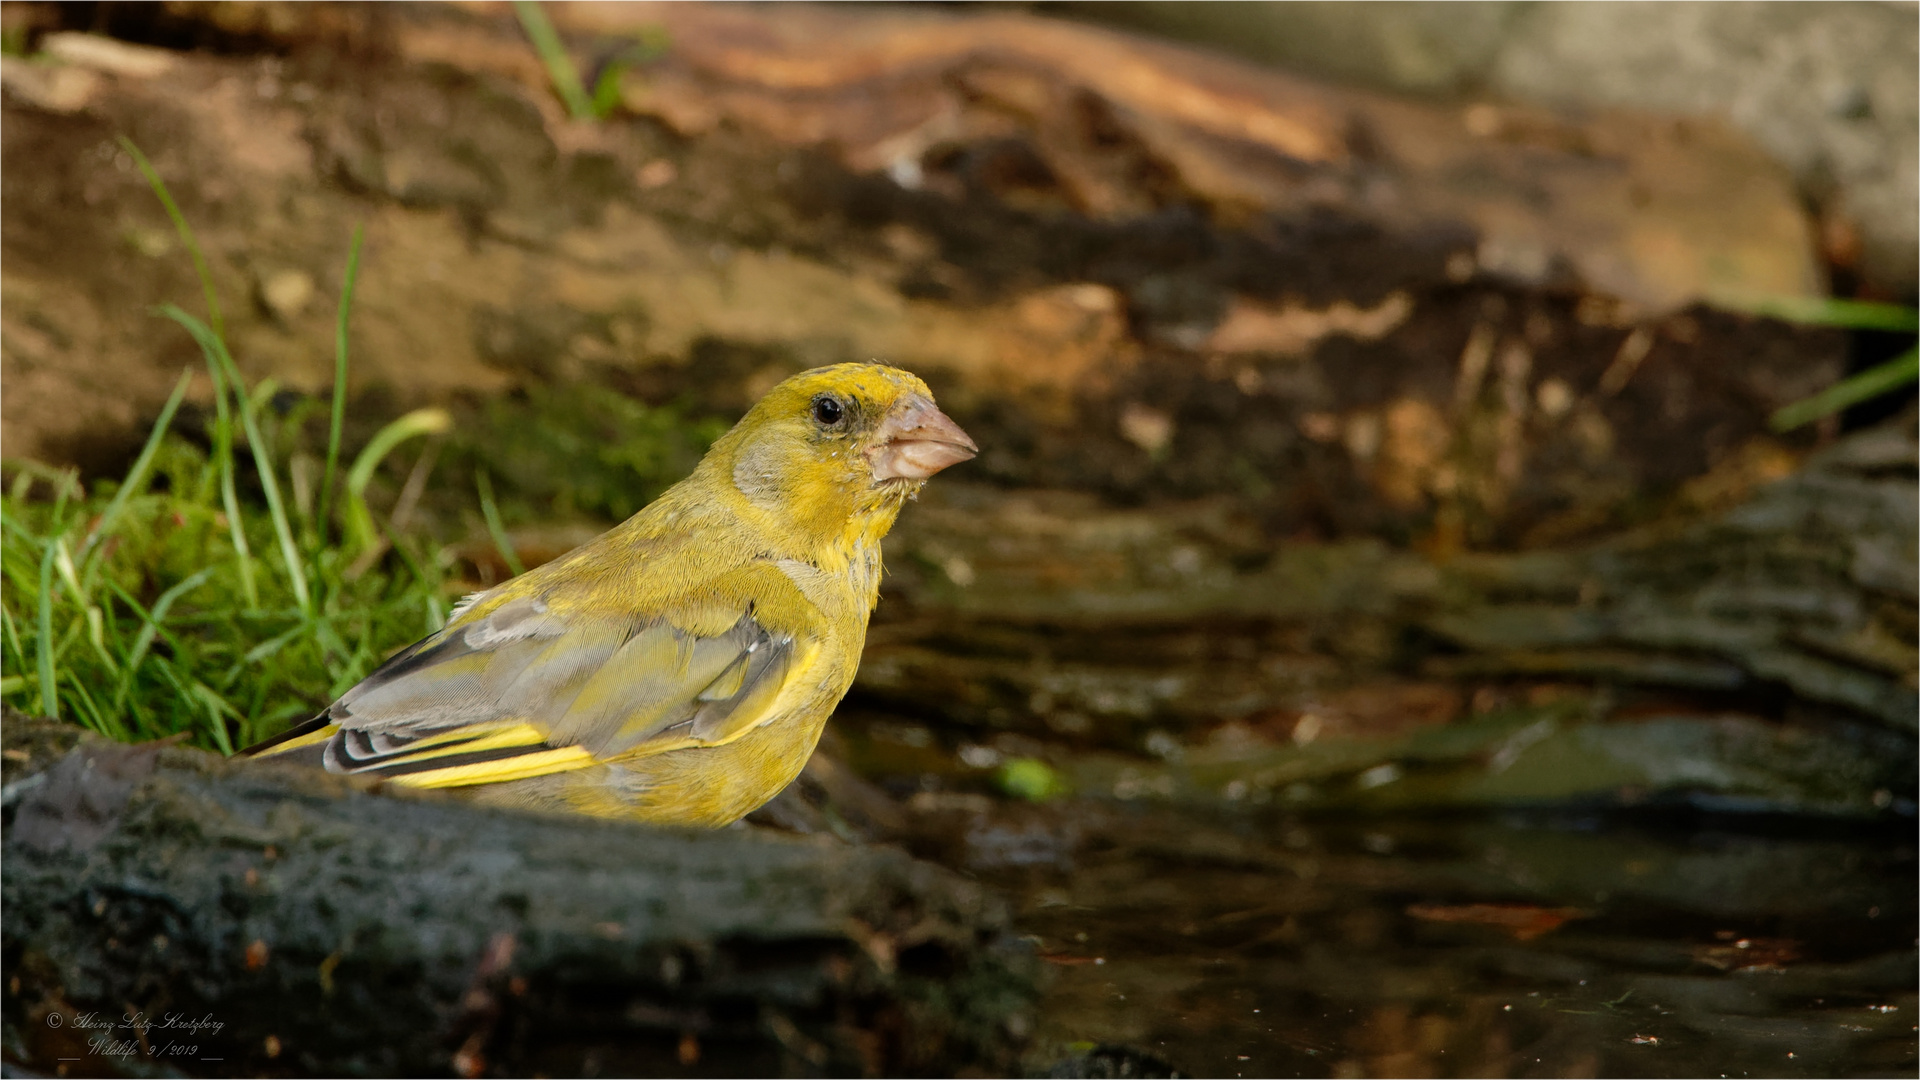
(525, 691)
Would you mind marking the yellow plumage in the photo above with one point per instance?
(679, 668)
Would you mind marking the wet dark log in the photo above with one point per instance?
(1801, 593)
(1808, 588)
(320, 927)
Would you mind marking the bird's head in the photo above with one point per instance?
(834, 452)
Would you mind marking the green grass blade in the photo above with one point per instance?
(606, 92)
(63, 564)
(278, 718)
(97, 636)
(649, 45)
(323, 633)
(14, 647)
(89, 712)
(1824, 311)
(553, 53)
(269, 486)
(136, 476)
(1871, 383)
(237, 531)
(339, 415)
(150, 627)
(229, 495)
(61, 494)
(192, 691)
(429, 588)
(49, 691)
(218, 707)
(494, 528)
(180, 226)
(272, 645)
(171, 676)
(428, 421)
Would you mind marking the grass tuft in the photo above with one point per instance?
(229, 583)
(553, 53)
(647, 45)
(338, 417)
(140, 607)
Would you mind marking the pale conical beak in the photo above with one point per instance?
(917, 440)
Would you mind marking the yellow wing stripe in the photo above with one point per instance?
(311, 738)
(521, 767)
(451, 743)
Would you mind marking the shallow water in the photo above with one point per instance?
(1472, 946)
(1541, 888)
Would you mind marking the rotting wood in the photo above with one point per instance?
(1360, 350)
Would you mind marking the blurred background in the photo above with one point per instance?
(1438, 592)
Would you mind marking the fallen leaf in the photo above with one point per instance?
(1524, 921)
(1071, 960)
(1765, 954)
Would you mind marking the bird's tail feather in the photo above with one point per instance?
(307, 739)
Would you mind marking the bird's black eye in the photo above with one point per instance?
(828, 411)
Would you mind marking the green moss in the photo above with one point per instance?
(1031, 779)
(582, 450)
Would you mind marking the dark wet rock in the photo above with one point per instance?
(328, 928)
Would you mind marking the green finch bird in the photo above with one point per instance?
(679, 668)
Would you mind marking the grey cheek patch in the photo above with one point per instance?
(756, 476)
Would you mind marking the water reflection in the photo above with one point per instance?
(1420, 926)
(1467, 946)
